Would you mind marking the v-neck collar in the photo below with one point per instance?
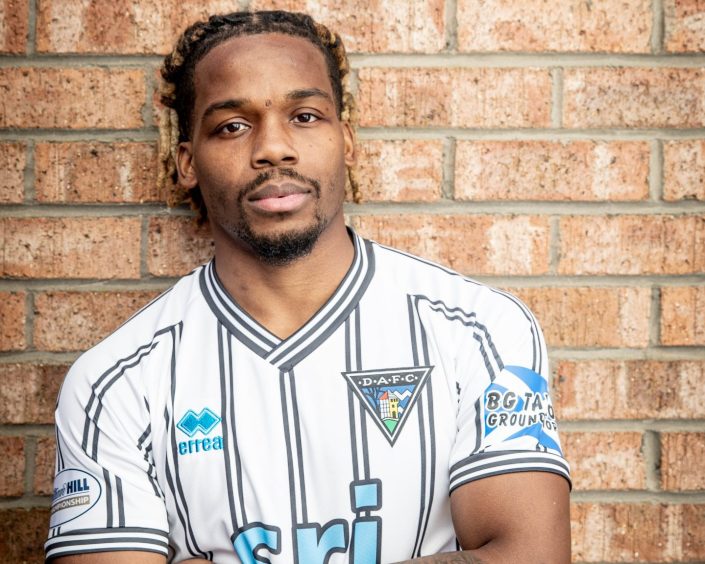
(286, 353)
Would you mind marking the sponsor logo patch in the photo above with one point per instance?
(75, 492)
(193, 423)
(389, 395)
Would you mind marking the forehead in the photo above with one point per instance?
(260, 64)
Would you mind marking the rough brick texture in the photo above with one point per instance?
(591, 317)
(682, 456)
(684, 170)
(543, 170)
(176, 246)
(454, 97)
(14, 26)
(28, 392)
(22, 535)
(634, 97)
(12, 467)
(12, 163)
(44, 462)
(407, 27)
(105, 247)
(74, 321)
(12, 321)
(96, 172)
(474, 244)
(683, 316)
(684, 25)
(506, 25)
(71, 98)
(626, 244)
(634, 389)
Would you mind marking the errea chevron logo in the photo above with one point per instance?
(191, 423)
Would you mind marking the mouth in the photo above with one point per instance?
(279, 198)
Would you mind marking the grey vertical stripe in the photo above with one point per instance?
(287, 439)
(120, 502)
(108, 499)
(299, 450)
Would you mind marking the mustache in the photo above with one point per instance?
(268, 175)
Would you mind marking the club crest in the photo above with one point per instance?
(389, 395)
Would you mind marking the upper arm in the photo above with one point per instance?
(123, 557)
(520, 517)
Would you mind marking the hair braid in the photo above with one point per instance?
(177, 88)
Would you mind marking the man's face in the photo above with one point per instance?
(267, 148)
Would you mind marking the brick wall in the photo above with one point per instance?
(556, 149)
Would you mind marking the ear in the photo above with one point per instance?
(185, 166)
(349, 144)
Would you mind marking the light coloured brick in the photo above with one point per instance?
(119, 26)
(637, 532)
(616, 26)
(75, 321)
(466, 97)
(22, 534)
(473, 245)
(119, 172)
(410, 27)
(684, 22)
(98, 247)
(44, 462)
(682, 456)
(71, 98)
(632, 244)
(634, 97)
(13, 159)
(591, 317)
(683, 316)
(12, 316)
(176, 245)
(12, 467)
(400, 171)
(629, 389)
(605, 460)
(28, 392)
(551, 171)
(684, 170)
(14, 26)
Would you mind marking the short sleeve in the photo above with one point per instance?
(106, 493)
(506, 421)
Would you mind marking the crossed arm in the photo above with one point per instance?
(522, 517)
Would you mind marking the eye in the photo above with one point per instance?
(306, 117)
(233, 127)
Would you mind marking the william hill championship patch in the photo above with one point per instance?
(389, 395)
(517, 407)
(75, 492)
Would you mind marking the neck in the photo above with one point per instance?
(283, 298)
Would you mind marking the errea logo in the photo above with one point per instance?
(203, 422)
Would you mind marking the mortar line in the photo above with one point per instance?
(655, 321)
(557, 97)
(30, 452)
(554, 255)
(451, 23)
(448, 180)
(29, 175)
(656, 178)
(29, 321)
(32, 27)
(151, 87)
(658, 27)
(651, 446)
(144, 246)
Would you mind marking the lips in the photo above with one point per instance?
(279, 198)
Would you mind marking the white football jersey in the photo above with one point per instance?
(193, 431)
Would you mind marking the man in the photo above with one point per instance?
(308, 396)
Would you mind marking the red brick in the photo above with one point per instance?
(44, 462)
(410, 27)
(591, 317)
(75, 321)
(530, 25)
(549, 171)
(637, 532)
(682, 456)
(684, 25)
(177, 245)
(467, 97)
(605, 460)
(629, 389)
(14, 26)
(96, 172)
(12, 316)
(71, 98)
(106, 247)
(683, 315)
(498, 244)
(400, 171)
(633, 97)
(28, 392)
(119, 26)
(684, 170)
(22, 535)
(632, 244)
(12, 467)
(12, 162)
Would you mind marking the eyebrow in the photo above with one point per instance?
(233, 104)
(237, 103)
(308, 93)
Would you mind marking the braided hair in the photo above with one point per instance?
(178, 91)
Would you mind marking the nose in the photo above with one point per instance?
(273, 145)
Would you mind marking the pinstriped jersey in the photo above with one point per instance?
(193, 431)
